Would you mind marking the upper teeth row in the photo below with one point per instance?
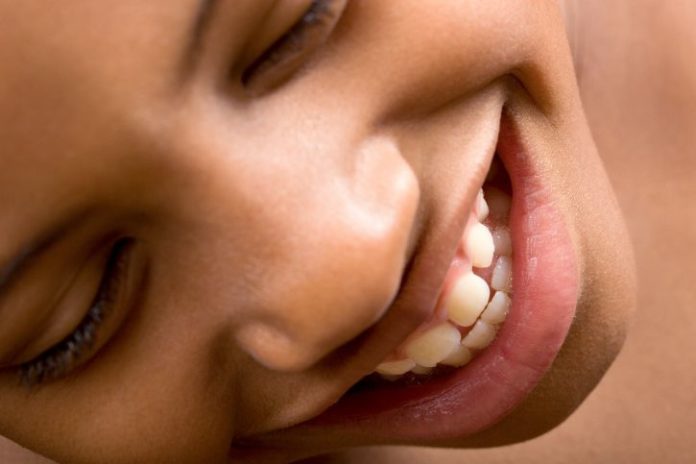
(469, 303)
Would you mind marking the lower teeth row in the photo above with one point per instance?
(474, 309)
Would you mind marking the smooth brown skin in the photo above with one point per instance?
(638, 86)
(182, 180)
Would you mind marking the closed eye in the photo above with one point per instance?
(287, 54)
(75, 349)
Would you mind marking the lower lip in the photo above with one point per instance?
(477, 396)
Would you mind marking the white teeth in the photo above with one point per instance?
(433, 345)
(467, 299)
(469, 303)
(481, 206)
(421, 370)
(480, 336)
(497, 309)
(395, 367)
(479, 245)
(502, 274)
(459, 357)
(502, 241)
(498, 203)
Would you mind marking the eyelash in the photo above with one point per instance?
(59, 360)
(319, 14)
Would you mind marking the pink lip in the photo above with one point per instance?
(473, 398)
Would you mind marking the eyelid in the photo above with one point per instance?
(100, 323)
(290, 51)
(32, 313)
(275, 24)
(65, 311)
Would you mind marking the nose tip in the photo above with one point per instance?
(351, 268)
(382, 207)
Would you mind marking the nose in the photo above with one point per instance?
(342, 262)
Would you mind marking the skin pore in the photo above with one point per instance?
(253, 205)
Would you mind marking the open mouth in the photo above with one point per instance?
(475, 298)
(502, 315)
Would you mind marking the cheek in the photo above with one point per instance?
(608, 297)
(161, 392)
(608, 288)
(609, 282)
(124, 425)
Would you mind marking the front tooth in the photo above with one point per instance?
(395, 367)
(421, 370)
(502, 273)
(468, 299)
(481, 206)
(502, 241)
(480, 336)
(479, 245)
(433, 345)
(459, 357)
(497, 309)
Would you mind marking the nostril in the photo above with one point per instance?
(341, 290)
(269, 346)
(328, 303)
(345, 273)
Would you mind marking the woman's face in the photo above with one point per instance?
(215, 221)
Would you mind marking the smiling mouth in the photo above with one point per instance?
(494, 332)
(475, 298)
